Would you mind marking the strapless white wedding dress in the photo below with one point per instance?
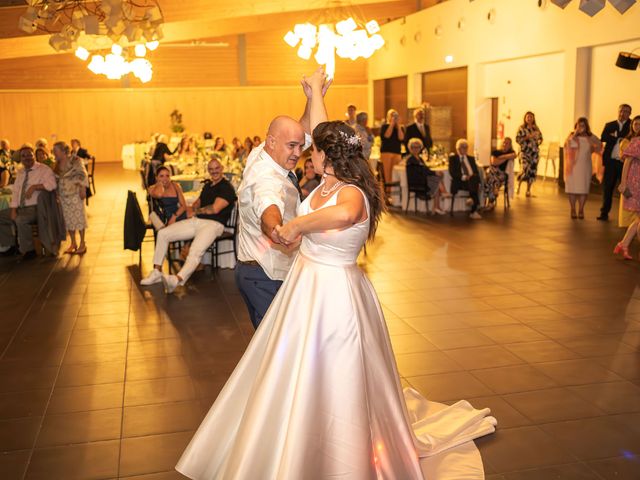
(317, 394)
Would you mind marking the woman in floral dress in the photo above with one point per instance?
(630, 193)
(529, 138)
(72, 190)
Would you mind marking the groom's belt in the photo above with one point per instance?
(249, 262)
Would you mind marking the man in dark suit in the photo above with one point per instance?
(612, 133)
(78, 150)
(418, 129)
(465, 175)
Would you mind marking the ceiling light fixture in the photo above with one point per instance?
(348, 38)
(127, 27)
(628, 60)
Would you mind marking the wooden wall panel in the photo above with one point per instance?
(188, 66)
(105, 119)
(271, 61)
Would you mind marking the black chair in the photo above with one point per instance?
(230, 233)
(91, 167)
(416, 186)
(464, 193)
(388, 187)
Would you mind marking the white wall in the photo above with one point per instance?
(534, 84)
(611, 87)
(522, 34)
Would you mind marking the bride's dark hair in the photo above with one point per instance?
(343, 152)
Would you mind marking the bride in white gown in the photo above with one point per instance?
(317, 394)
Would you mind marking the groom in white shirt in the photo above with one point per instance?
(269, 196)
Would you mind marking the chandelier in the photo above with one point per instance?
(346, 38)
(116, 34)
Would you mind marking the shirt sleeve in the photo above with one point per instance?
(268, 191)
(307, 140)
(48, 179)
(229, 194)
(17, 189)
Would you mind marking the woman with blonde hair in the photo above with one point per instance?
(72, 190)
(392, 136)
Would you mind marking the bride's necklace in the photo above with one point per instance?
(326, 192)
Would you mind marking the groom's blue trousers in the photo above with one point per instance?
(257, 290)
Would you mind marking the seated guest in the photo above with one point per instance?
(310, 180)
(220, 146)
(256, 141)
(30, 181)
(78, 151)
(236, 147)
(42, 156)
(419, 174)
(212, 211)
(161, 154)
(419, 129)
(72, 190)
(245, 150)
(366, 137)
(465, 175)
(5, 151)
(497, 173)
(169, 203)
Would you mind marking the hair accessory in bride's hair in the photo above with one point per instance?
(350, 139)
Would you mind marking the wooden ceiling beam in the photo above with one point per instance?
(36, 45)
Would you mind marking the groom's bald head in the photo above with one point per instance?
(285, 141)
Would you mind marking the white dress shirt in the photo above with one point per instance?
(615, 153)
(39, 173)
(468, 172)
(265, 183)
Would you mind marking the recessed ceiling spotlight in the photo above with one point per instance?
(438, 31)
(491, 16)
(448, 59)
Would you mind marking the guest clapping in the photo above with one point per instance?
(168, 200)
(418, 173)
(578, 149)
(465, 175)
(529, 138)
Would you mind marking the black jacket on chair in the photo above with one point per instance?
(611, 133)
(134, 225)
(414, 132)
(455, 169)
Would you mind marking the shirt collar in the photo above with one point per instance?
(283, 171)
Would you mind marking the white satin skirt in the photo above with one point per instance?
(317, 395)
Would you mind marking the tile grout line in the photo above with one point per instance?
(124, 381)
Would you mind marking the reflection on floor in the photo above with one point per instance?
(525, 312)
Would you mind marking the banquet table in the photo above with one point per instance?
(132, 155)
(189, 183)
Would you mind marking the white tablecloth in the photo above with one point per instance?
(225, 260)
(399, 199)
(132, 155)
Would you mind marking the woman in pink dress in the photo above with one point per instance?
(630, 193)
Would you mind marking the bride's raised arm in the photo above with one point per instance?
(314, 112)
(349, 210)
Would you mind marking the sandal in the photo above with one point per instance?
(71, 250)
(81, 250)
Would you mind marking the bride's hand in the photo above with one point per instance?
(288, 233)
(318, 80)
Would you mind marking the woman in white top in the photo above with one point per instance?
(578, 149)
(317, 393)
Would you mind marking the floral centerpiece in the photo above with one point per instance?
(176, 122)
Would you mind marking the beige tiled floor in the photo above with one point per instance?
(526, 313)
